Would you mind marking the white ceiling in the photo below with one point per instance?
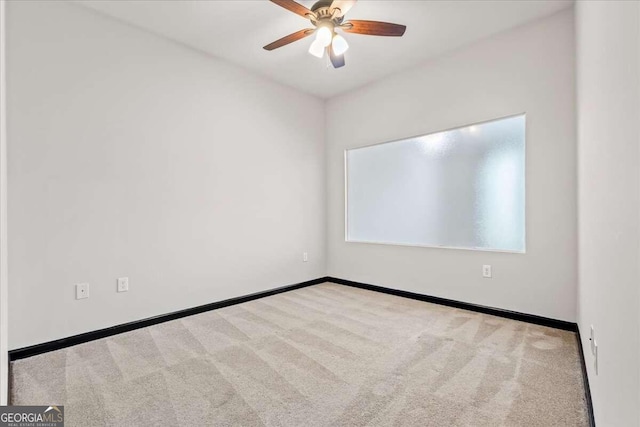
(236, 30)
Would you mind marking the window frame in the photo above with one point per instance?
(478, 249)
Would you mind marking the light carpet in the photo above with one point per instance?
(325, 355)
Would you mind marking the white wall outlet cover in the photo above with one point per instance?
(82, 290)
(305, 256)
(486, 271)
(123, 284)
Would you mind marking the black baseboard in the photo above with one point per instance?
(529, 318)
(585, 380)
(126, 327)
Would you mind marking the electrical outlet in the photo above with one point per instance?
(82, 290)
(123, 284)
(305, 257)
(486, 271)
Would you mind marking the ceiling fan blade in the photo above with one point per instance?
(343, 5)
(374, 28)
(289, 39)
(294, 7)
(336, 60)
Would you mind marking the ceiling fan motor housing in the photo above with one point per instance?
(323, 12)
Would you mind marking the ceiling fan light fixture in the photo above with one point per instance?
(316, 49)
(339, 44)
(325, 17)
(324, 35)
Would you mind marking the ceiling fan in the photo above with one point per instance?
(327, 16)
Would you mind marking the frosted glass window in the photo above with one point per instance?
(461, 188)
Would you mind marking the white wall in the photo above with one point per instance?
(4, 290)
(608, 70)
(130, 155)
(529, 69)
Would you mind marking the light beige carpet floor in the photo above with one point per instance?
(326, 355)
